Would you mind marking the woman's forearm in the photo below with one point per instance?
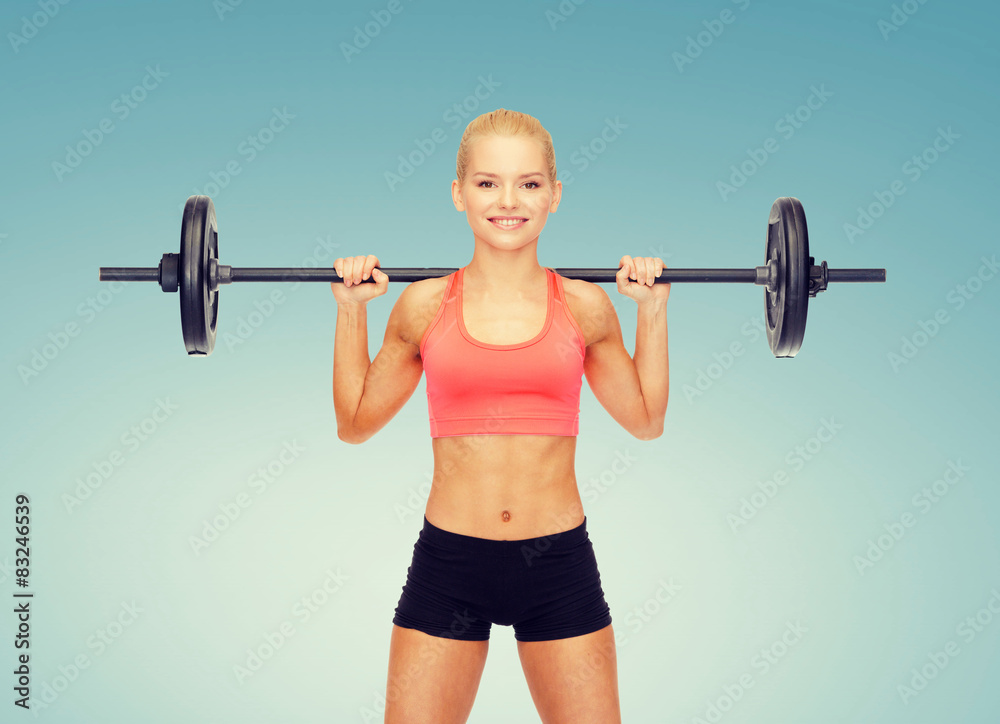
(350, 364)
(651, 361)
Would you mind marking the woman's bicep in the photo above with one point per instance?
(394, 373)
(611, 372)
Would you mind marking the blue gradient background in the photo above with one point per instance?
(356, 510)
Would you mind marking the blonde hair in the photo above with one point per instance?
(502, 122)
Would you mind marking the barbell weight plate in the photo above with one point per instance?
(199, 302)
(787, 302)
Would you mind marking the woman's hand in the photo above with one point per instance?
(352, 270)
(643, 269)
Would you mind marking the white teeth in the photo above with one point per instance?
(507, 222)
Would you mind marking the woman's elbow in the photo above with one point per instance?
(653, 429)
(650, 433)
(350, 436)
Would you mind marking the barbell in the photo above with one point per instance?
(789, 275)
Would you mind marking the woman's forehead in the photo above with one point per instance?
(508, 154)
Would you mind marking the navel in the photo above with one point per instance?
(506, 516)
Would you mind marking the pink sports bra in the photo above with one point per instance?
(528, 388)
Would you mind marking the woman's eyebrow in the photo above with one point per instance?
(493, 175)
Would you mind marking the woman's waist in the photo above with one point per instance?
(505, 507)
(500, 458)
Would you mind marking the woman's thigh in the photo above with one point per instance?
(432, 679)
(573, 680)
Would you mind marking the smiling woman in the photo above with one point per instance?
(505, 344)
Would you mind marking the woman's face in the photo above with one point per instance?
(506, 196)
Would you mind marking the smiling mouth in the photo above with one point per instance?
(507, 223)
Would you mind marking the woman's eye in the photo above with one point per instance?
(533, 184)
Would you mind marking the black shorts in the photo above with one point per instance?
(546, 588)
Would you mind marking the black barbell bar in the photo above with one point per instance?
(227, 275)
(790, 276)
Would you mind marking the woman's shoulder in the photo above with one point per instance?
(418, 304)
(590, 306)
(578, 288)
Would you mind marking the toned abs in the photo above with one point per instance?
(501, 487)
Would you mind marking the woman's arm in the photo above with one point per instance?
(350, 365)
(652, 362)
(368, 394)
(634, 391)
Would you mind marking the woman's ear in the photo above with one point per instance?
(556, 196)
